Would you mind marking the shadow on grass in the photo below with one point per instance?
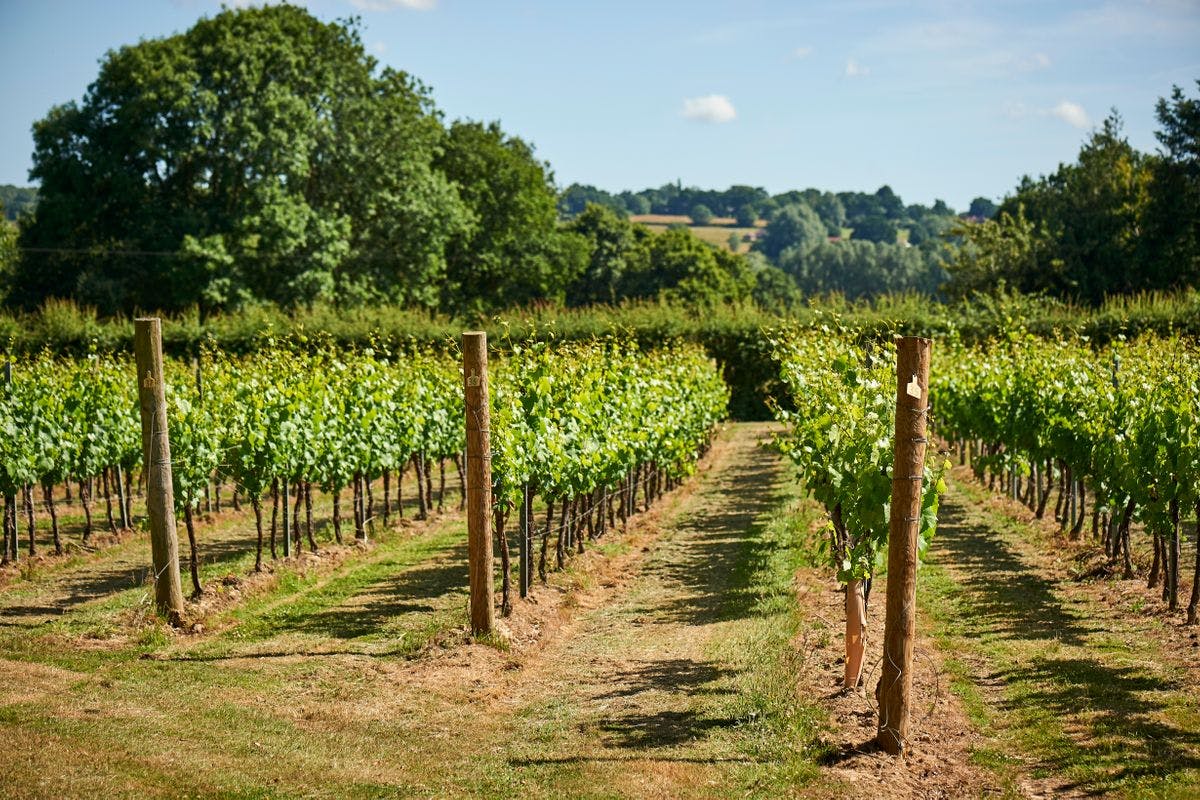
(1113, 715)
(716, 552)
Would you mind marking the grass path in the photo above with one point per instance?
(672, 679)
(1076, 698)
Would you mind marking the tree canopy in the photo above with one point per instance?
(261, 155)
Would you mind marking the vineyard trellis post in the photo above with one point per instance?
(156, 460)
(908, 467)
(10, 501)
(479, 481)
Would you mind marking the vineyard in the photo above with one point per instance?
(326, 486)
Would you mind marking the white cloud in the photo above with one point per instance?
(1071, 113)
(802, 52)
(379, 47)
(710, 108)
(388, 5)
(855, 69)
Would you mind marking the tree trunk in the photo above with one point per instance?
(337, 515)
(462, 483)
(308, 526)
(387, 496)
(559, 554)
(1173, 571)
(48, 499)
(441, 484)
(1191, 611)
(1123, 533)
(112, 523)
(505, 566)
(296, 536)
(422, 504)
(274, 515)
(32, 528)
(258, 525)
(1152, 581)
(197, 589)
(85, 500)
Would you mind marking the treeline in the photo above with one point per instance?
(875, 216)
(732, 334)
(1115, 221)
(16, 201)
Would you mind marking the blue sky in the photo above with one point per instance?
(937, 99)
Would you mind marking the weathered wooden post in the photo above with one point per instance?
(479, 481)
(156, 458)
(908, 468)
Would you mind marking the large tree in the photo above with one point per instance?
(261, 155)
(513, 251)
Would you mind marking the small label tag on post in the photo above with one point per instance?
(473, 379)
(914, 388)
(148, 383)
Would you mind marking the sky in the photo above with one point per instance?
(940, 100)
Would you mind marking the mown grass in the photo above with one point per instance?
(1066, 692)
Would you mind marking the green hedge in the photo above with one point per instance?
(731, 335)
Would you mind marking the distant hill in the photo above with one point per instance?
(16, 200)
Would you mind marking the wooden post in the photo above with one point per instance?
(479, 481)
(908, 467)
(156, 458)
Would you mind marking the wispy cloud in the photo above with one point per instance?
(710, 108)
(388, 5)
(1067, 111)
(1071, 113)
(804, 51)
(855, 69)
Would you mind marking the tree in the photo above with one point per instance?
(746, 216)
(1173, 213)
(982, 208)
(8, 254)
(1093, 211)
(616, 249)
(681, 268)
(700, 214)
(793, 226)
(513, 251)
(261, 155)
(1009, 252)
(875, 228)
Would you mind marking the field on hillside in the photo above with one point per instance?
(717, 232)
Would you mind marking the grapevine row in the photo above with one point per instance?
(582, 426)
(1116, 429)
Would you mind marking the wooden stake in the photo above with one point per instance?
(156, 458)
(912, 405)
(479, 481)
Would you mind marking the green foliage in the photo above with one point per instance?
(876, 228)
(1125, 418)
(16, 201)
(746, 216)
(259, 156)
(700, 214)
(1007, 252)
(513, 252)
(841, 430)
(794, 227)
